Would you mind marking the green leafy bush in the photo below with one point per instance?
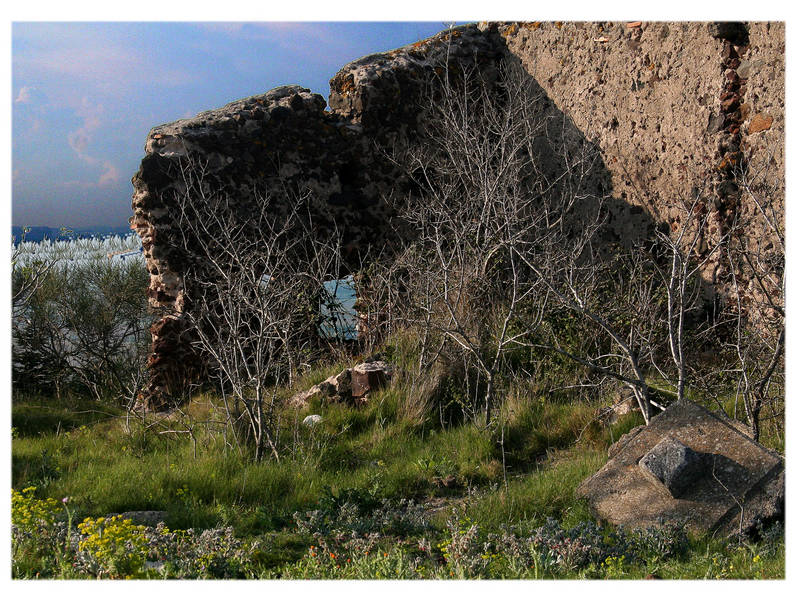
(114, 547)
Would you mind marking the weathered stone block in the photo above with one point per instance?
(349, 385)
(742, 482)
(672, 466)
(367, 377)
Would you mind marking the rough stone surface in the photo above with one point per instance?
(743, 482)
(671, 108)
(149, 518)
(672, 466)
(623, 440)
(312, 420)
(668, 111)
(368, 377)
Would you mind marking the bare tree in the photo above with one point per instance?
(494, 212)
(757, 263)
(509, 229)
(469, 164)
(626, 319)
(683, 254)
(252, 289)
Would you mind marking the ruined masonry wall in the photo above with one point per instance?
(672, 108)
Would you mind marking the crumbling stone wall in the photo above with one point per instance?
(263, 143)
(673, 107)
(670, 106)
(285, 138)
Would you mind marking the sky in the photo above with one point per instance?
(87, 82)
(85, 95)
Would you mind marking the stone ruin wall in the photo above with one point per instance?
(285, 137)
(672, 107)
(669, 105)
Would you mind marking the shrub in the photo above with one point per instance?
(114, 547)
(29, 513)
(186, 554)
(83, 328)
(360, 512)
(38, 536)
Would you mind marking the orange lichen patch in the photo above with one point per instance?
(760, 123)
(346, 84)
(532, 26)
(510, 30)
(731, 160)
(559, 24)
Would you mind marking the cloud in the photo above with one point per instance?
(111, 175)
(111, 68)
(108, 178)
(314, 43)
(80, 139)
(25, 94)
(98, 57)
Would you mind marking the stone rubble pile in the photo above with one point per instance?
(353, 385)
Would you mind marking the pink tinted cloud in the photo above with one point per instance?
(80, 141)
(108, 178)
(111, 175)
(24, 95)
(101, 61)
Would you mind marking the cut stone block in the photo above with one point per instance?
(672, 467)
(367, 377)
(741, 485)
(351, 385)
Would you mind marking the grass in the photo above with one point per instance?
(520, 471)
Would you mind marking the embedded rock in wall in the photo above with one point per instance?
(672, 109)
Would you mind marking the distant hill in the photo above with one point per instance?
(39, 233)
